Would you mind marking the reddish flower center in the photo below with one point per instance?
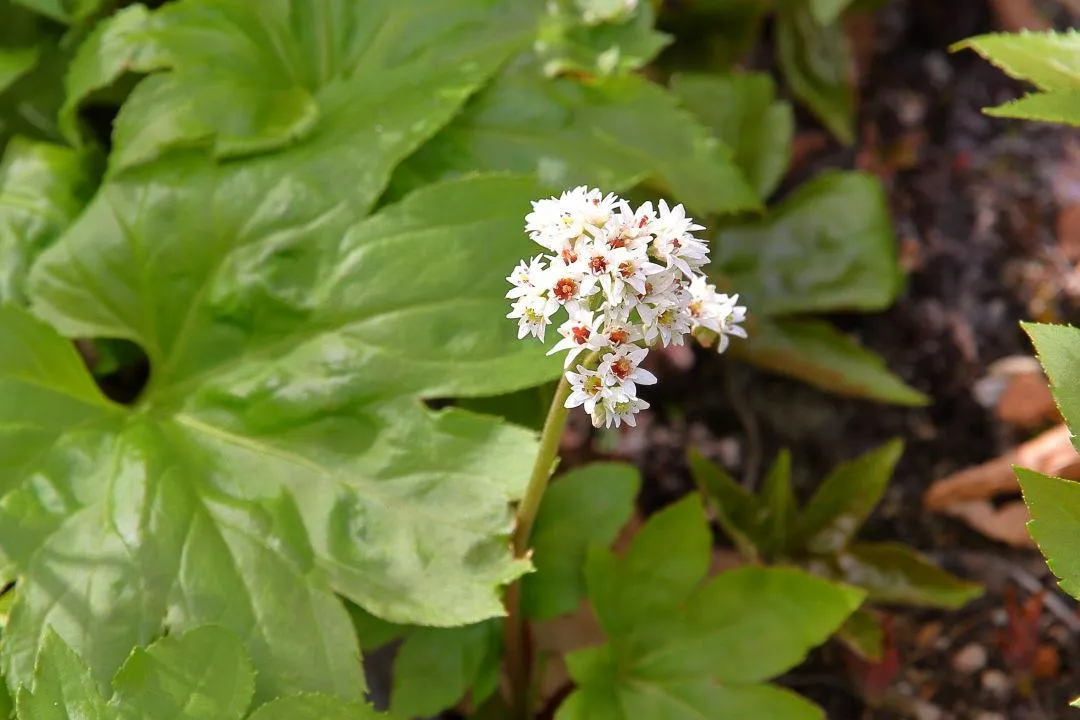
(564, 289)
(581, 334)
(598, 264)
(568, 255)
(621, 368)
(626, 269)
(618, 337)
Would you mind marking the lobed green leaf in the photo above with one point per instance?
(586, 506)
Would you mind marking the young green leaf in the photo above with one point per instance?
(570, 133)
(845, 499)
(43, 187)
(61, 687)
(736, 509)
(287, 351)
(895, 573)
(826, 12)
(667, 559)
(1055, 516)
(204, 674)
(862, 634)
(246, 78)
(436, 667)
(679, 649)
(1058, 347)
(1049, 60)
(817, 64)
(576, 37)
(586, 506)
(829, 246)
(741, 110)
(816, 352)
(778, 506)
(1058, 107)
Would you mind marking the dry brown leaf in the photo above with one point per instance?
(968, 494)
(1068, 232)
(1016, 15)
(1027, 401)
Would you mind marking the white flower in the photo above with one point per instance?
(528, 279)
(618, 301)
(578, 333)
(716, 312)
(533, 313)
(622, 368)
(587, 388)
(620, 408)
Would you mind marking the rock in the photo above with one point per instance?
(996, 683)
(969, 659)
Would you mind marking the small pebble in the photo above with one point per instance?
(996, 682)
(987, 715)
(969, 659)
(924, 710)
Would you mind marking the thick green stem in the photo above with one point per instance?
(518, 655)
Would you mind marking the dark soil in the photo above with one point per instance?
(975, 212)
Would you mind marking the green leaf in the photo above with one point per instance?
(741, 110)
(714, 35)
(204, 674)
(314, 707)
(62, 686)
(16, 62)
(737, 510)
(43, 187)
(817, 64)
(586, 506)
(863, 635)
(570, 133)
(777, 521)
(597, 37)
(65, 11)
(247, 78)
(1061, 107)
(677, 699)
(845, 499)
(1058, 347)
(436, 667)
(1055, 516)
(1050, 60)
(828, 246)
(895, 573)
(281, 426)
(667, 559)
(826, 12)
(816, 352)
(678, 649)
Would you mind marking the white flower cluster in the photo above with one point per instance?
(627, 279)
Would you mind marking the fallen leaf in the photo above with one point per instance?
(968, 494)
(1016, 15)
(1027, 401)
(1068, 232)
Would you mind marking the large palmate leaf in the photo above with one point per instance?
(42, 188)
(679, 647)
(203, 674)
(278, 345)
(247, 77)
(568, 132)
